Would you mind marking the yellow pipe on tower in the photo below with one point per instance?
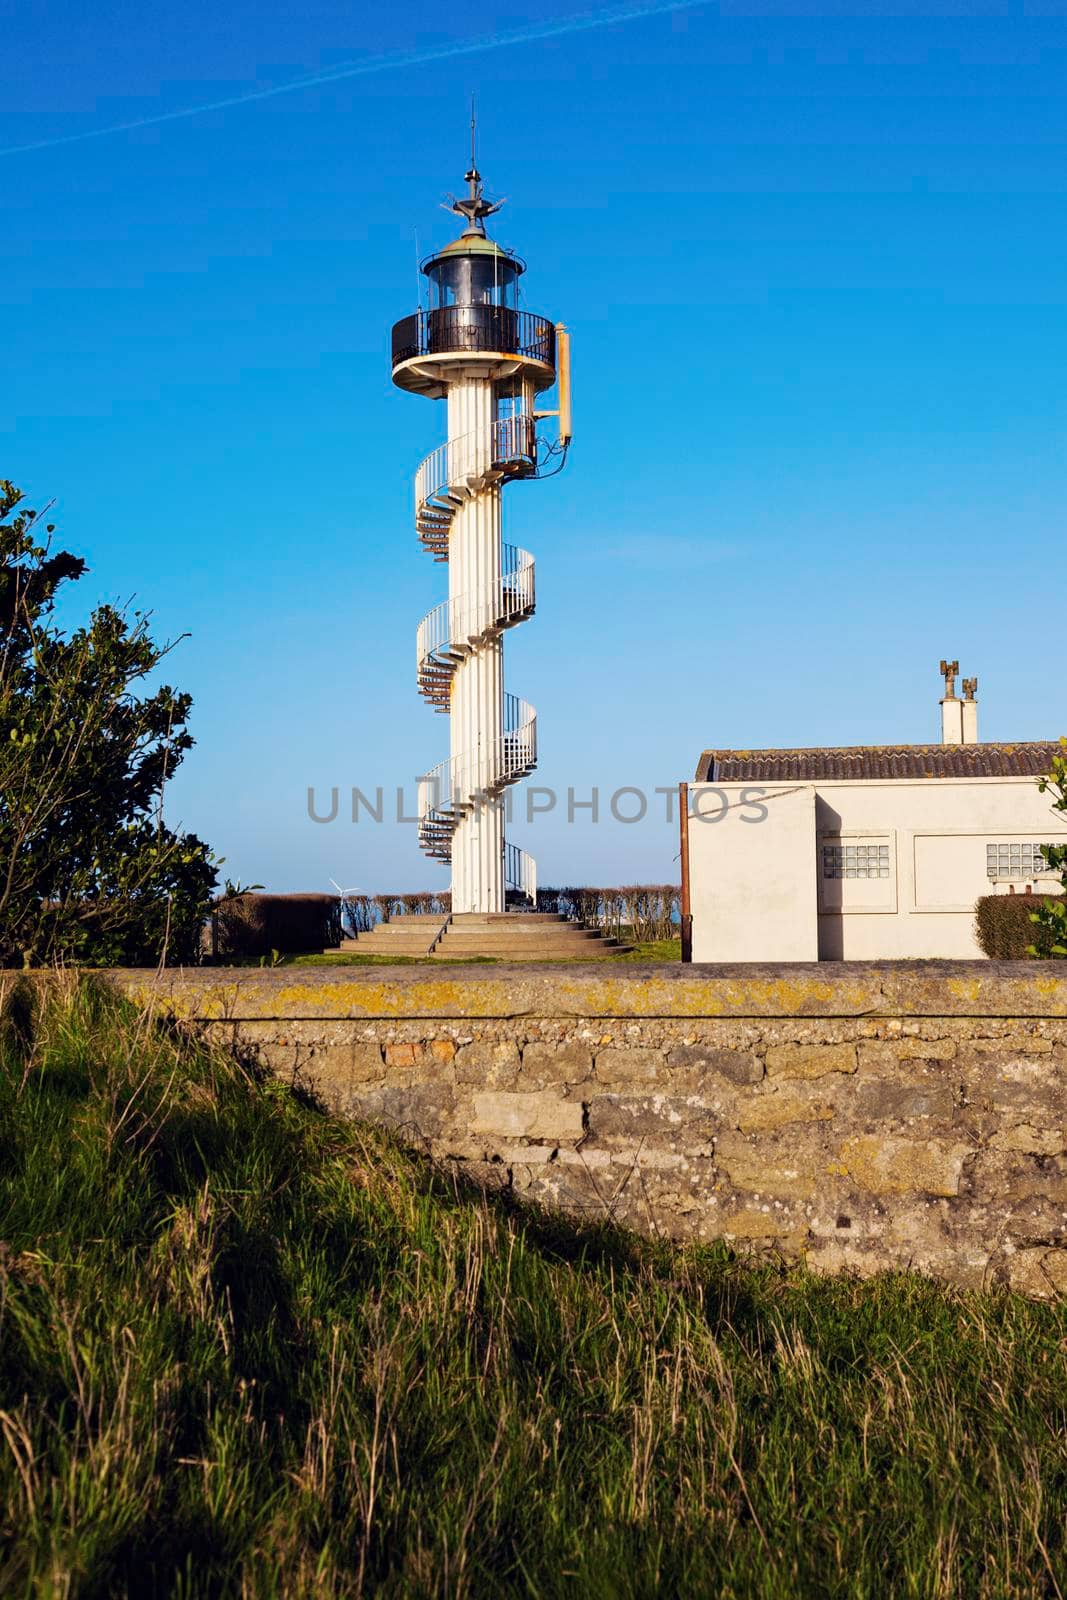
(563, 372)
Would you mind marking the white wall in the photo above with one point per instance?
(757, 874)
(752, 872)
(937, 830)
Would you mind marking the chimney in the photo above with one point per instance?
(951, 708)
(969, 711)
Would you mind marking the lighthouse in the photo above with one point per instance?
(475, 347)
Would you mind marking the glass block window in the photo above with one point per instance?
(1016, 861)
(855, 861)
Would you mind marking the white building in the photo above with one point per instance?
(865, 853)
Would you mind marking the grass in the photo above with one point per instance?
(654, 950)
(648, 950)
(248, 1349)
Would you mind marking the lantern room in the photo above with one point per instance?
(473, 271)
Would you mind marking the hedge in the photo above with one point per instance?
(648, 910)
(257, 924)
(1002, 924)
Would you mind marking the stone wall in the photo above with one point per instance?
(907, 1115)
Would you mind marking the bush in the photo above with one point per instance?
(1004, 925)
(649, 911)
(360, 912)
(257, 924)
(1051, 937)
(89, 740)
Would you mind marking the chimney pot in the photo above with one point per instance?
(969, 711)
(951, 713)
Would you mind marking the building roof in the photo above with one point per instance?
(862, 762)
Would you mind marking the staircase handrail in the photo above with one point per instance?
(512, 442)
(470, 616)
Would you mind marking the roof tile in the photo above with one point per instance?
(1028, 760)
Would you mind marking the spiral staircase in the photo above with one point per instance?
(447, 636)
(463, 624)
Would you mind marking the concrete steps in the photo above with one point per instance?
(401, 936)
(507, 936)
(520, 936)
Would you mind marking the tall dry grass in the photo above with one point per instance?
(249, 1350)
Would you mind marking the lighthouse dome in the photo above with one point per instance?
(473, 242)
(473, 271)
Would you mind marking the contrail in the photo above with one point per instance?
(580, 23)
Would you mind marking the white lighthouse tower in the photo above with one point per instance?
(490, 360)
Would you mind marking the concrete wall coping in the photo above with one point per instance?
(801, 989)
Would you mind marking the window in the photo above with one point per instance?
(1016, 861)
(855, 861)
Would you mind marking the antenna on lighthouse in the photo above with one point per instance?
(475, 207)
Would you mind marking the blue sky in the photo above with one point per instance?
(814, 267)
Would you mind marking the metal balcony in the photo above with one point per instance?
(475, 330)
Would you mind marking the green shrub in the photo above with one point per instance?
(1052, 917)
(1004, 925)
(89, 739)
